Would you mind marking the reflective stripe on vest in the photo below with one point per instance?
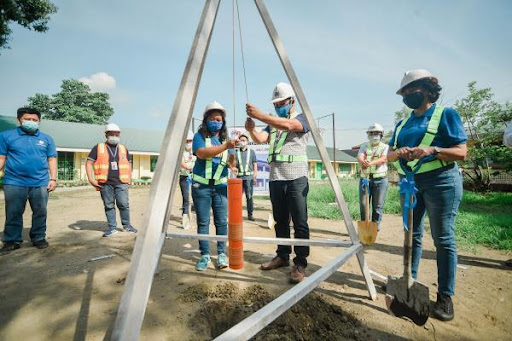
(372, 156)
(102, 164)
(216, 179)
(274, 150)
(428, 138)
(244, 170)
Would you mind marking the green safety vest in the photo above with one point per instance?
(371, 156)
(274, 150)
(429, 136)
(216, 179)
(244, 170)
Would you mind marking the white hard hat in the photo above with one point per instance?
(112, 127)
(190, 135)
(375, 127)
(414, 75)
(281, 92)
(214, 106)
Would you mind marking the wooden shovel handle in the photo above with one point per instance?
(408, 245)
(367, 203)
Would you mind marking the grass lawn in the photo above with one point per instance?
(484, 219)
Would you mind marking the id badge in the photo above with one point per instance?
(113, 165)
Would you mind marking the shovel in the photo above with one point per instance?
(367, 230)
(405, 296)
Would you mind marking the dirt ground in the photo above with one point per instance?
(60, 294)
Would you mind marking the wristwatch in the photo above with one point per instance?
(437, 150)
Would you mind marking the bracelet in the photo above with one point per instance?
(53, 180)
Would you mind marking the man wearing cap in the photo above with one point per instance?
(287, 135)
(30, 161)
(247, 166)
(112, 176)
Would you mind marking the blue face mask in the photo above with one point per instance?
(283, 110)
(214, 126)
(29, 126)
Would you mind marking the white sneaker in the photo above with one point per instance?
(185, 222)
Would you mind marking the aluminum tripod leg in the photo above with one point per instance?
(150, 239)
(285, 61)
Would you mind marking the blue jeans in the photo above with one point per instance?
(216, 197)
(113, 195)
(439, 194)
(289, 202)
(248, 189)
(184, 187)
(15, 202)
(378, 190)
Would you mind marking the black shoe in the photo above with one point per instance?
(41, 244)
(8, 247)
(251, 218)
(443, 310)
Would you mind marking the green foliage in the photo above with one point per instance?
(31, 14)
(74, 103)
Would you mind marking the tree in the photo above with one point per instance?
(485, 121)
(31, 14)
(74, 103)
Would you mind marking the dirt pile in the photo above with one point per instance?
(313, 318)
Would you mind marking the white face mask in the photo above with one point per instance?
(374, 139)
(188, 146)
(113, 140)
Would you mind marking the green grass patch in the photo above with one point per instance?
(484, 219)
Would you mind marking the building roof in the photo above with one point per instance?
(82, 137)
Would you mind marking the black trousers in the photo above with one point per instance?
(289, 202)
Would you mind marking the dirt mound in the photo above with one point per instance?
(313, 318)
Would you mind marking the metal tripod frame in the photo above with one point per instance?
(148, 246)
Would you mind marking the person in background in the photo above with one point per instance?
(288, 135)
(30, 160)
(373, 160)
(187, 164)
(209, 180)
(247, 167)
(507, 141)
(112, 177)
(433, 132)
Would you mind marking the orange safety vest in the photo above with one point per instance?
(102, 164)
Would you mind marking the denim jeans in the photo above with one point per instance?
(184, 187)
(116, 195)
(439, 194)
(378, 190)
(15, 202)
(289, 199)
(248, 189)
(216, 197)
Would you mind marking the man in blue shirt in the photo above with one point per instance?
(30, 161)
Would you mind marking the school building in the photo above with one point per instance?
(74, 141)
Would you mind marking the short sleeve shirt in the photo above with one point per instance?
(26, 157)
(113, 156)
(199, 166)
(382, 168)
(450, 133)
(252, 160)
(294, 144)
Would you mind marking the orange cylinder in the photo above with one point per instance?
(235, 224)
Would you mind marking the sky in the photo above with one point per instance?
(349, 56)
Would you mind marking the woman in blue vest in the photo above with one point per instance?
(437, 134)
(209, 180)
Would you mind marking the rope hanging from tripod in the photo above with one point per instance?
(235, 7)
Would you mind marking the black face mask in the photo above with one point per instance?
(414, 100)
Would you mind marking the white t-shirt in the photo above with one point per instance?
(507, 137)
(383, 168)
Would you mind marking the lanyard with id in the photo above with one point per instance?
(113, 164)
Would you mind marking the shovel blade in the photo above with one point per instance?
(367, 232)
(410, 301)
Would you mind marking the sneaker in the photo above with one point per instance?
(443, 310)
(130, 228)
(251, 218)
(8, 247)
(222, 261)
(297, 274)
(185, 221)
(110, 232)
(202, 263)
(41, 244)
(276, 262)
